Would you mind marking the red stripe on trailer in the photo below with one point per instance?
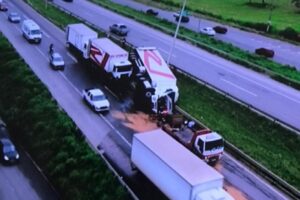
(151, 55)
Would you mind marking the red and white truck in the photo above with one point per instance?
(206, 144)
(153, 79)
(177, 172)
(102, 52)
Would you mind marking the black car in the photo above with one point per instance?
(151, 12)
(8, 151)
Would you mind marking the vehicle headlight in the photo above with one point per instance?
(17, 156)
(6, 158)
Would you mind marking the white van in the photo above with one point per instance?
(31, 31)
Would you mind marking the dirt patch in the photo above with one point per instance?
(139, 121)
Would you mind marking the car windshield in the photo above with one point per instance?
(125, 68)
(57, 59)
(9, 148)
(98, 97)
(214, 145)
(33, 32)
(123, 27)
(13, 14)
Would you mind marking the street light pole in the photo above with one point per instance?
(270, 17)
(176, 32)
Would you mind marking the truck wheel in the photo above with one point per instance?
(148, 94)
(67, 44)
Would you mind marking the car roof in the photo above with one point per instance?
(96, 91)
(56, 55)
(6, 141)
(120, 24)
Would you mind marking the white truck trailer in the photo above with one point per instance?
(177, 172)
(154, 80)
(102, 52)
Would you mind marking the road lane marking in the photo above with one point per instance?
(167, 52)
(104, 118)
(72, 57)
(41, 52)
(239, 87)
(245, 78)
(108, 122)
(45, 33)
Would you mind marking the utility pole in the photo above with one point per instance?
(176, 32)
(270, 17)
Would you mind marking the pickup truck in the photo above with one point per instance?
(96, 99)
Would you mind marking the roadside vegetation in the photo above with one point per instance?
(265, 141)
(49, 135)
(283, 73)
(253, 14)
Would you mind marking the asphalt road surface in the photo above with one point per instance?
(257, 90)
(285, 53)
(112, 132)
(24, 181)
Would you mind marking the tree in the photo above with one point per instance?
(296, 3)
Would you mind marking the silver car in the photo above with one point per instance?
(119, 29)
(14, 17)
(57, 61)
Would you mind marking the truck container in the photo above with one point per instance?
(177, 172)
(154, 80)
(206, 144)
(101, 53)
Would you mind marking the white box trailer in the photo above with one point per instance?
(79, 35)
(111, 57)
(177, 172)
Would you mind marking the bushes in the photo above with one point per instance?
(290, 33)
(49, 135)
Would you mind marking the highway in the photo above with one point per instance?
(112, 132)
(24, 181)
(255, 89)
(285, 53)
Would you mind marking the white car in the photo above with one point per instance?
(56, 61)
(14, 17)
(208, 31)
(96, 99)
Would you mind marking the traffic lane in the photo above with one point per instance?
(285, 53)
(253, 185)
(24, 181)
(89, 138)
(273, 98)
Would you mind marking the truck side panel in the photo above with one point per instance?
(159, 173)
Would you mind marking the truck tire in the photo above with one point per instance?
(67, 44)
(148, 94)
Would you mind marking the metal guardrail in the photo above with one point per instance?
(272, 178)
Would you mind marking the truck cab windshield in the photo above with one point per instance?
(124, 68)
(214, 145)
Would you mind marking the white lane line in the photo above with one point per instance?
(16, 27)
(72, 57)
(167, 52)
(45, 33)
(25, 16)
(104, 118)
(41, 52)
(245, 78)
(108, 122)
(72, 85)
(243, 89)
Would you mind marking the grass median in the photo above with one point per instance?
(49, 135)
(268, 143)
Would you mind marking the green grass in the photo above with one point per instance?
(268, 143)
(49, 135)
(284, 14)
